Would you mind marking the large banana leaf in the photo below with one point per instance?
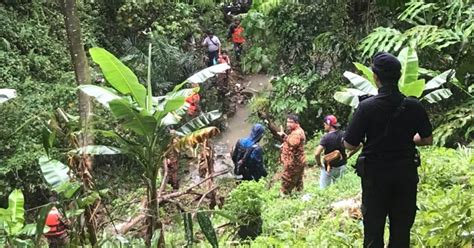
(141, 122)
(414, 88)
(13, 217)
(168, 106)
(7, 94)
(188, 229)
(438, 80)
(97, 150)
(101, 94)
(361, 83)
(203, 75)
(207, 228)
(161, 101)
(438, 95)
(119, 75)
(349, 97)
(54, 171)
(196, 137)
(41, 221)
(201, 121)
(369, 75)
(175, 117)
(409, 61)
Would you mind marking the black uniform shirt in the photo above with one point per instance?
(331, 142)
(370, 121)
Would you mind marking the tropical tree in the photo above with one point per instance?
(409, 83)
(146, 119)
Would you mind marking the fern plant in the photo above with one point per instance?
(434, 25)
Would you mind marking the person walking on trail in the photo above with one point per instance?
(247, 155)
(334, 151)
(57, 234)
(292, 156)
(213, 45)
(236, 32)
(224, 58)
(390, 126)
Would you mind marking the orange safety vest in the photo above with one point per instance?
(193, 100)
(237, 35)
(53, 221)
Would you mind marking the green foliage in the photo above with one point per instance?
(207, 228)
(409, 83)
(256, 60)
(307, 218)
(437, 26)
(12, 222)
(456, 125)
(34, 50)
(246, 202)
(289, 93)
(445, 189)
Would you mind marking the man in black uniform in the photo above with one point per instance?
(389, 126)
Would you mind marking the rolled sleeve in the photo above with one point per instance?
(356, 131)
(424, 127)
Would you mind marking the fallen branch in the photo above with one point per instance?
(271, 125)
(188, 190)
(125, 227)
(203, 197)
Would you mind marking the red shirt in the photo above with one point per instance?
(53, 221)
(193, 101)
(237, 35)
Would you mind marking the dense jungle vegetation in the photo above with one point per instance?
(314, 52)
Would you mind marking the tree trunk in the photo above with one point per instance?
(152, 217)
(79, 60)
(81, 70)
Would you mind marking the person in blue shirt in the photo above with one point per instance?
(247, 155)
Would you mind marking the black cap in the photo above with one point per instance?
(386, 67)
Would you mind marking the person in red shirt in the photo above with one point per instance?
(57, 235)
(236, 32)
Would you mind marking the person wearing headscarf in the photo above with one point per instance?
(247, 155)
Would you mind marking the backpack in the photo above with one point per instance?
(242, 157)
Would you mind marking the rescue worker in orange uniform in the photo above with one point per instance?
(193, 101)
(292, 156)
(236, 32)
(57, 235)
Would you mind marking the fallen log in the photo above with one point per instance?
(123, 228)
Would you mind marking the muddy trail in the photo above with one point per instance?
(237, 126)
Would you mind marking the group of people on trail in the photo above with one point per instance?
(215, 53)
(387, 127)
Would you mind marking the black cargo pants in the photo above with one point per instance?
(389, 189)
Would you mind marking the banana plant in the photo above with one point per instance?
(12, 222)
(146, 118)
(409, 83)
